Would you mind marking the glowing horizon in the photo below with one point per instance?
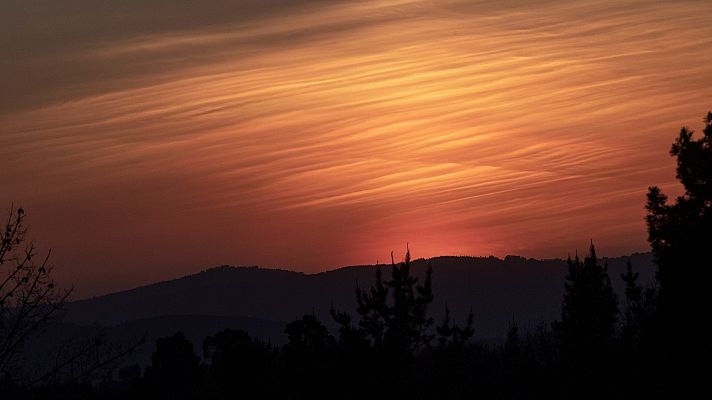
(147, 143)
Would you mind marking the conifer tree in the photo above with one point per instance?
(680, 234)
(589, 311)
(453, 336)
(393, 314)
(634, 310)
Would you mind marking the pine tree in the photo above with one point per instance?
(393, 314)
(680, 234)
(452, 336)
(392, 328)
(633, 300)
(589, 313)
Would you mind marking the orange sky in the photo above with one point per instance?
(149, 139)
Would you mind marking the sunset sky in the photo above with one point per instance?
(148, 139)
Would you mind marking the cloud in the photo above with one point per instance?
(470, 127)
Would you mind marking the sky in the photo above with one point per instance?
(148, 139)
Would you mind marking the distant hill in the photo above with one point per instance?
(498, 291)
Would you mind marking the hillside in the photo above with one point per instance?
(498, 291)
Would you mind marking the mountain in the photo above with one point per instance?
(497, 290)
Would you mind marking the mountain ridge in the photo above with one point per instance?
(497, 290)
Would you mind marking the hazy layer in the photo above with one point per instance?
(154, 138)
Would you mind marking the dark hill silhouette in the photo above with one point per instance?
(526, 290)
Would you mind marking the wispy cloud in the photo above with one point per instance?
(348, 127)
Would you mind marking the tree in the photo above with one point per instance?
(588, 317)
(174, 372)
(29, 303)
(239, 365)
(392, 328)
(638, 312)
(393, 313)
(308, 358)
(307, 336)
(632, 315)
(446, 370)
(680, 234)
(453, 337)
(29, 298)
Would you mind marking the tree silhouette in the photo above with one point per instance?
(451, 336)
(389, 350)
(307, 336)
(680, 234)
(29, 298)
(308, 358)
(633, 308)
(393, 313)
(588, 317)
(29, 303)
(446, 369)
(639, 310)
(174, 372)
(590, 307)
(238, 364)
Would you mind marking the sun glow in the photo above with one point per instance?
(332, 134)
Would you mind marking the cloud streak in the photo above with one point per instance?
(314, 134)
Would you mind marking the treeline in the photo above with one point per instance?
(652, 342)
